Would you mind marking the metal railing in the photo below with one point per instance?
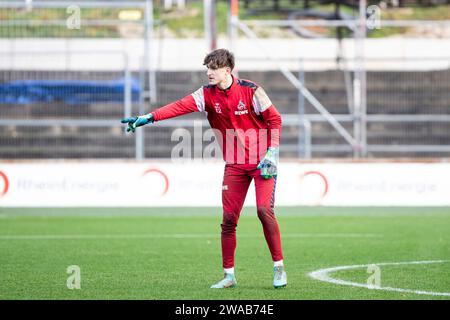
(356, 92)
(303, 123)
(16, 61)
(306, 148)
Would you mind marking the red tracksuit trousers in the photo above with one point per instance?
(236, 180)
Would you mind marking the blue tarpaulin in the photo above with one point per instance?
(71, 92)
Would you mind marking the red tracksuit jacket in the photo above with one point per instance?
(246, 122)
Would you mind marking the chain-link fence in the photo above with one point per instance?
(68, 71)
(64, 89)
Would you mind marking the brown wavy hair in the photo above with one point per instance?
(219, 58)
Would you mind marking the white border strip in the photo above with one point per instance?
(323, 275)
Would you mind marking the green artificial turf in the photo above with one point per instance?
(174, 253)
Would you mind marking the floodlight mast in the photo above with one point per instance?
(209, 18)
(359, 89)
(233, 29)
(234, 20)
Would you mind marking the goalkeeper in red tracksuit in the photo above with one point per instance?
(237, 110)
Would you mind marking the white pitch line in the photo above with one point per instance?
(175, 236)
(323, 275)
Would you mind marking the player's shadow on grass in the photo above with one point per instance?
(261, 287)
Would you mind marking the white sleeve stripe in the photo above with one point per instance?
(256, 105)
(261, 101)
(199, 98)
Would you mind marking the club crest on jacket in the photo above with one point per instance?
(241, 109)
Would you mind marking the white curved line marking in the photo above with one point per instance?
(323, 275)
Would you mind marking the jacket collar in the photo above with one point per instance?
(231, 87)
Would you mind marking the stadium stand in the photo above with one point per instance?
(77, 95)
(389, 92)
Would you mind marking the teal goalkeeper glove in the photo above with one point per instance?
(134, 122)
(269, 163)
